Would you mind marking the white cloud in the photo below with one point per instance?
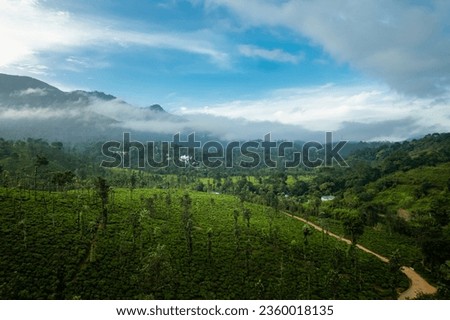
(271, 55)
(190, 42)
(28, 28)
(338, 109)
(31, 92)
(405, 43)
(79, 63)
(37, 114)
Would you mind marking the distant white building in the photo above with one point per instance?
(327, 198)
(185, 158)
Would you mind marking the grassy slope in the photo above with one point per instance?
(379, 240)
(402, 195)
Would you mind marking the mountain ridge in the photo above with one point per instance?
(33, 108)
(23, 90)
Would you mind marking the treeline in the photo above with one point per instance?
(38, 164)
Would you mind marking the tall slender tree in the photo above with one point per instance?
(188, 223)
(103, 189)
(39, 162)
(353, 226)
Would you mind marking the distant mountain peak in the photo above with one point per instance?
(156, 108)
(15, 84)
(33, 108)
(22, 91)
(95, 94)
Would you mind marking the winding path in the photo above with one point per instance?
(418, 285)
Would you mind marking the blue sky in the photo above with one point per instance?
(320, 65)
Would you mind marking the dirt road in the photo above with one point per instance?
(418, 285)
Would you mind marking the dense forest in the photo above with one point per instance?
(71, 229)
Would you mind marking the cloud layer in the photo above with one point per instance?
(28, 29)
(404, 43)
(355, 113)
(271, 55)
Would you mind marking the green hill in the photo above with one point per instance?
(170, 245)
